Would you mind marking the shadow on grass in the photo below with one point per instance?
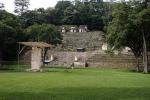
(85, 93)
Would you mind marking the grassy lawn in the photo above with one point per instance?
(78, 84)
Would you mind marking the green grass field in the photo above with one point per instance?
(78, 84)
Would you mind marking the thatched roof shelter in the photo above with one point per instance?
(36, 54)
(36, 44)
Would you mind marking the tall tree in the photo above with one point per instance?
(45, 32)
(10, 33)
(142, 8)
(60, 7)
(122, 31)
(38, 16)
(129, 27)
(21, 6)
(144, 21)
(2, 6)
(8, 42)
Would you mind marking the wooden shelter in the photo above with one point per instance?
(36, 53)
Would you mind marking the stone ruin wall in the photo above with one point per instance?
(62, 59)
(66, 58)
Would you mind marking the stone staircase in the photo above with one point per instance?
(111, 58)
(100, 59)
(88, 40)
(106, 60)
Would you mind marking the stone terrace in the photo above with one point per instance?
(88, 40)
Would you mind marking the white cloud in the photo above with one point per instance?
(9, 4)
(42, 3)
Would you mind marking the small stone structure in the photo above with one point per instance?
(126, 50)
(63, 30)
(83, 28)
(73, 29)
(75, 58)
(105, 46)
(79, 64)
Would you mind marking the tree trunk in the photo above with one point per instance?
(145, 59)
(1, 60)
(137, 64)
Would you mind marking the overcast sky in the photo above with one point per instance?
(9, 4)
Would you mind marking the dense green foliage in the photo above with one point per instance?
(10, 29)
(65, 12)
(45, 32)
(78, 84)
(129, 27)
(123, 31)
(7, 40)
(21, 6)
